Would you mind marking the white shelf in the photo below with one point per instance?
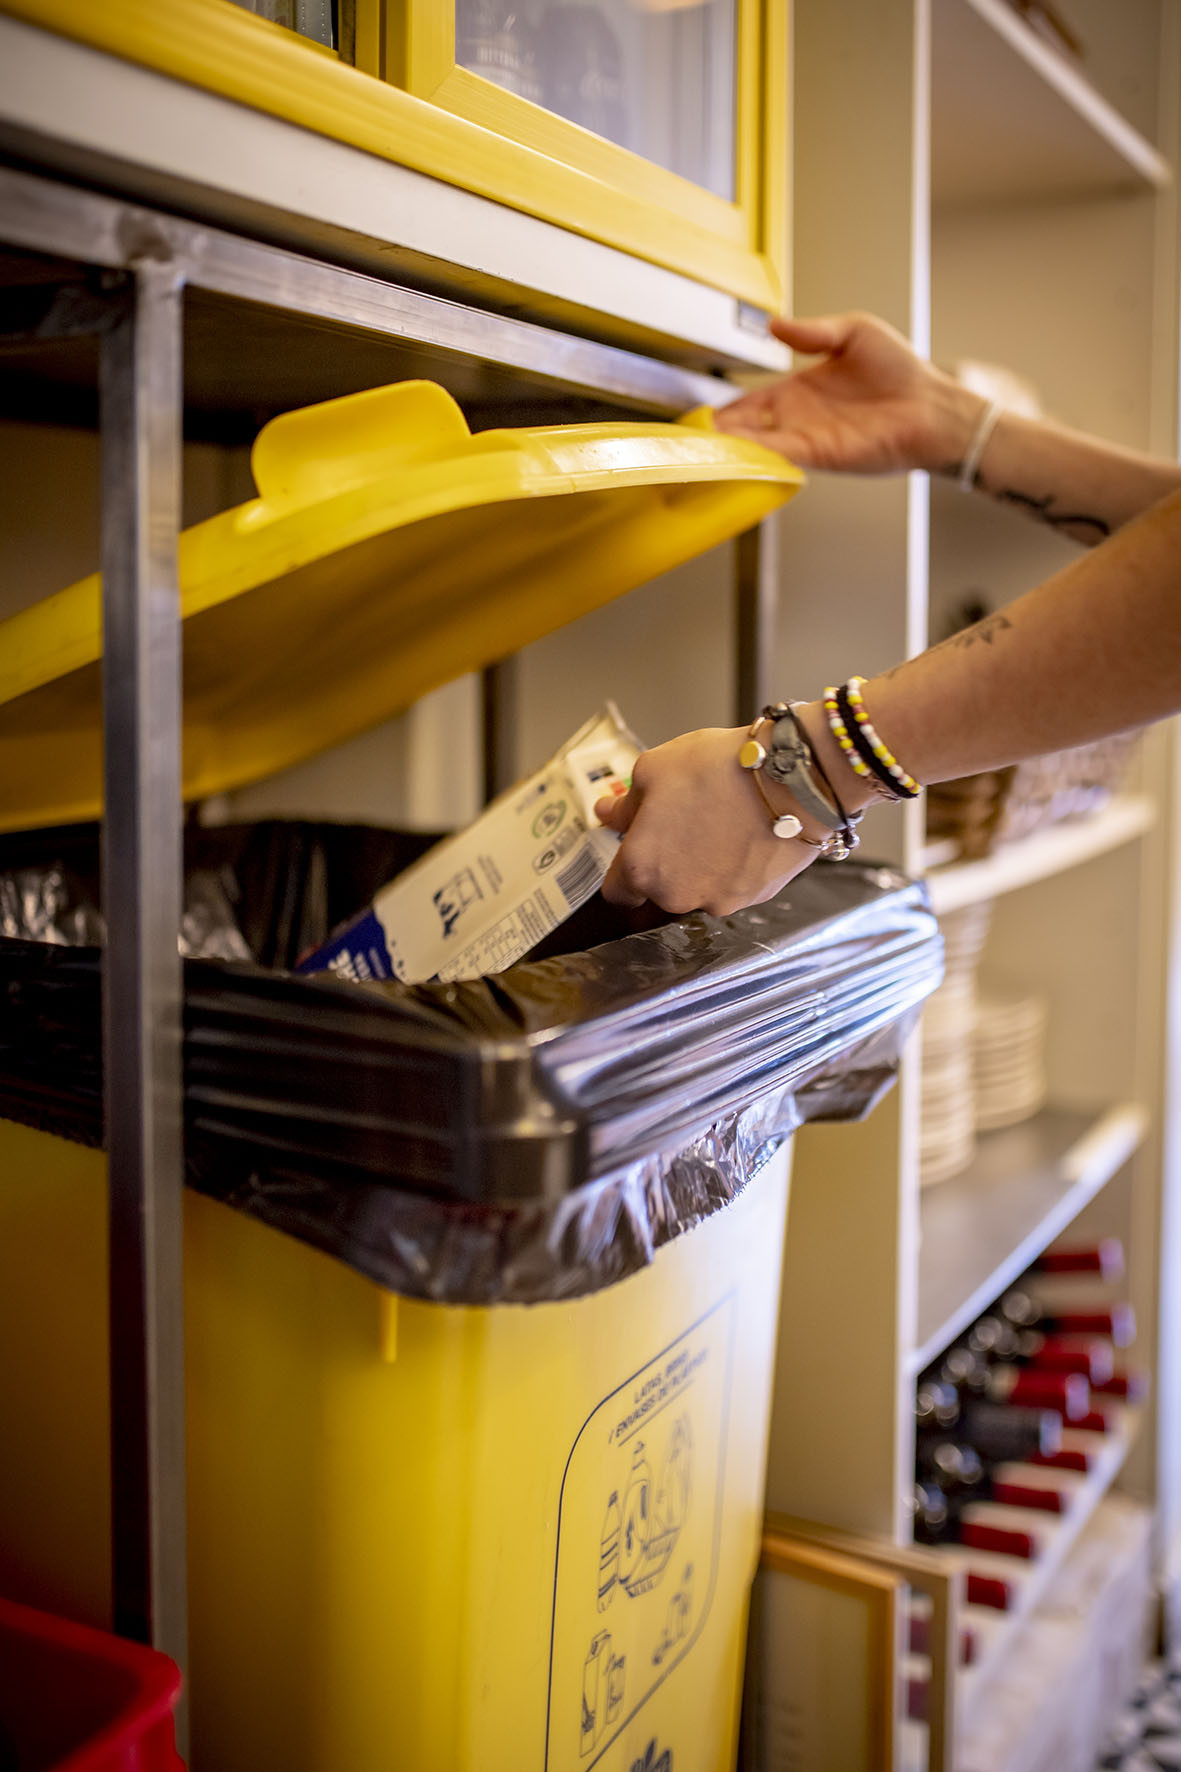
(1030, 1581)
(955, 884)
(1105, 1566)
(981, 1229)
(1015, 120)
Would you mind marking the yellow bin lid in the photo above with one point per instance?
(389, 551)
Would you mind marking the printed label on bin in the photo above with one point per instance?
(639, 1524)
(479, 901)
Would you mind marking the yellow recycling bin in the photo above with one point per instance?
(480, 1279)
(419, 1536)
(481, 1288)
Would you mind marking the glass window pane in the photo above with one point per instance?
(656, 76)
(311, 18)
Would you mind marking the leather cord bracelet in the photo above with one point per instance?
(847, 818)
(808, 764)
(789, 760)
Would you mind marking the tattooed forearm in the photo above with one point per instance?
(981, 633)
(1082, 527)
(1079, 525)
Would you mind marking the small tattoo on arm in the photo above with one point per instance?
(981, 633)
(1085, 528)
(984, 632)
(1080, 524)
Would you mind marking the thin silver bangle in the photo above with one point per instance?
(978, 445)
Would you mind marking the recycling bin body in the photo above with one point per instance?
(476, 1449)
(419, 1535)
(481, 1290)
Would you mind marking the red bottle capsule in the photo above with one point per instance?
(1105, 1258)
(1092, 1355)
(1133, 1387)
(1067, 1458)
(1049, 1501)
(1119, 1322)
(987, 1590)
(999, 1539)
(1067, 1392)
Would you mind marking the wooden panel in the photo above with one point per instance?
(822, 1663)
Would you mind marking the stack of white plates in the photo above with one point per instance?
(947, 1138)
(1008, 1058)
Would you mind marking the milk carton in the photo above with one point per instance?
(479, 901)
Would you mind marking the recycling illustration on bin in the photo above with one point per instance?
(660, 1531)
(481, 1272)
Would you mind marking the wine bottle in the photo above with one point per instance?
(955, 1468)
(974, 1374)
(936, 1406)
(960, 1472)
(919, 1638)
(944, 1513)
(1066, 1458)
(1009, 1485)
(1092, 1355)
(1027, 1309)
(931, 1520)
(1093, 1421)
(1067, 1393)
(994, 1336)
(1132, 1386)
(987, 1590)
(983, 1532)
(1008, 1432)
(1105, 1258)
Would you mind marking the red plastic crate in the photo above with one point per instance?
(74, 1699)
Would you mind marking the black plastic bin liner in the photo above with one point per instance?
(534, 1135)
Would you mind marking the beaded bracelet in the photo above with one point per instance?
(839, 731)
(899, 784)
(879, 777)
(900, 781)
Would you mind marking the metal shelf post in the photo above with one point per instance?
(141, 402)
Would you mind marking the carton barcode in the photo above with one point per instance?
(581, 879)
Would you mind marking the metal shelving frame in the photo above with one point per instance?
(146, 261)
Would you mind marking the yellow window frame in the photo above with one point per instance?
(452, 125)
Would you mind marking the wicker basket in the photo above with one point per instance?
(980, 812)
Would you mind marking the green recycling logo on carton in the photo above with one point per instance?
(548, 819)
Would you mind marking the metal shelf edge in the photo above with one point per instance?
(1085, 1167)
